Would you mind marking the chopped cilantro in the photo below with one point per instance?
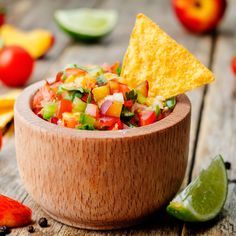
(131, 95)
(126, 114)
(101, 80)
(118, 70)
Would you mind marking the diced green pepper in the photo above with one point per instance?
(86, 119)
(49, 110)
(141, 99)
(85, 127)
(157, 110)
(78, 105)
(170, 103)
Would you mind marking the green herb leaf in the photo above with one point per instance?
(130, 125)
(126, 114)
(131, 95)
(118, 70)
(101, 80)
(157, 110)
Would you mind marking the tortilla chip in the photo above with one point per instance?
(6, 116)
(154, 56)
(8, 100)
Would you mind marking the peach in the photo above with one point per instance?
(200, 16)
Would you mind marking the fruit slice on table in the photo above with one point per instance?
(8, 100)
(13, 213)
(203, 198)
(37, 42)
(86, 24)
(169, 68)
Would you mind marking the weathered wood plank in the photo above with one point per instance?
(218, 128)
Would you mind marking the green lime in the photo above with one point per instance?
(86, 24)
(204, 197)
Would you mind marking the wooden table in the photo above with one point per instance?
(214, 107)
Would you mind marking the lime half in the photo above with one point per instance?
(204, 197)
(86, 24)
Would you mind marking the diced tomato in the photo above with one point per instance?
(118, 125)
(44, 94)
(92, 110)
(128, 103)
(74, 72)
(160, 116)
(113, 68)
(59, 76)
(64, 106)
(54, 120)
(37, 111)
(123, 88)
(147, 117)
(106, 122)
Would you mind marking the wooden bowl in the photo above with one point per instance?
(101, 179)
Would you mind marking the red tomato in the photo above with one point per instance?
(74, 72)
(0, 139)
(118, 125)
(147, 117)
(45, 94)
(106, 122)
(16, 66)
(64, 106)
(233, 65)
(128, 103)
(123, 88)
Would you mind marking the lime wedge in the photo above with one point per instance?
(86, 24)
(204, 197)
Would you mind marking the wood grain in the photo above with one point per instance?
(217, 134)
(99, 179)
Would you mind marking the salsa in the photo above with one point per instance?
(95, 98)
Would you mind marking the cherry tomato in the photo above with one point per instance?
(147, 117)
(16, 66)
(233, 65)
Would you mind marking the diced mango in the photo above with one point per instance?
(115, 109)
(100, 92)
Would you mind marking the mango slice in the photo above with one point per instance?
(36, 42)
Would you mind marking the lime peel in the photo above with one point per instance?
(204, 197)
(85, 23)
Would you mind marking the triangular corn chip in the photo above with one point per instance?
(6, 115)
(154, 56)
(7, 100)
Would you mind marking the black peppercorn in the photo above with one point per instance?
(227, 165)
(31, 229)
(43, 222)
(4, 230)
